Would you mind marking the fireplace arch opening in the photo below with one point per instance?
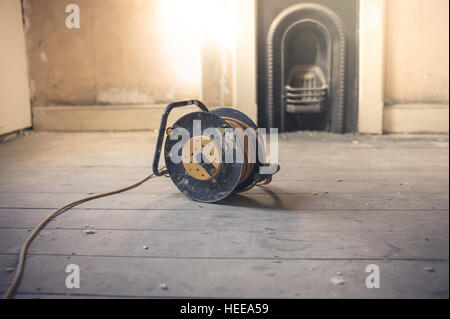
(306, 70)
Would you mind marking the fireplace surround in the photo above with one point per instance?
(304, 79)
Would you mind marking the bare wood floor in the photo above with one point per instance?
(336, 206)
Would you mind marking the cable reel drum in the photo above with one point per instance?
(211, 154)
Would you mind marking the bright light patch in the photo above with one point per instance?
(186, 23)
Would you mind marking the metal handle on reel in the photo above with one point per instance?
(162, 130)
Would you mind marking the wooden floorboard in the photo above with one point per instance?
(269, 200)
(333, 243)
(283, 187)
(339, 203)
(228, 278)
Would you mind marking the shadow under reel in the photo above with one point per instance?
(204, 171)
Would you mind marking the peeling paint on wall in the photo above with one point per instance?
(43, 56)
(123, 96)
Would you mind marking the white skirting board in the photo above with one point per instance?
(103, 117)
(416, 118)
(397, 118)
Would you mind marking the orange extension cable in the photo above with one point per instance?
(12, 287)
(247, 169)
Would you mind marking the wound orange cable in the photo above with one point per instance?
(247, 167)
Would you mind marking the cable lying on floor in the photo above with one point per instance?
(12, 287)
(209, 180)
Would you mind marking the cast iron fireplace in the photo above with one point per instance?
(304, 73)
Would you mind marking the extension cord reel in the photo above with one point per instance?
(202, 174)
